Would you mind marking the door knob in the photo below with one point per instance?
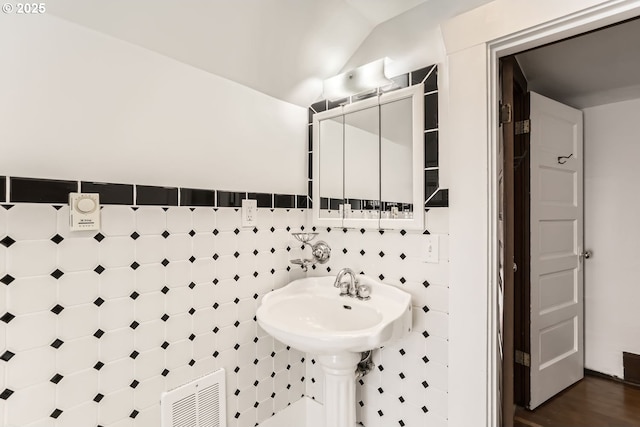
(586, 254)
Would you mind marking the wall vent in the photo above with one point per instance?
(200, 403)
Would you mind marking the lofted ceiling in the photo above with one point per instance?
(283, 48)
(596, 68)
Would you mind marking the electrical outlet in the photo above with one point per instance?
(432, 250)
(249, 212)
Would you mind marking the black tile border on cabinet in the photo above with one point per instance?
(36, 190)
(301, 202)
(426, 76)
(32, 190)
(439, 200)
(151, 195)
(110, 194)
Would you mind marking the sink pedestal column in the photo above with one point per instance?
(340, 389)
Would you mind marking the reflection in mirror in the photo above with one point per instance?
(396, 167)
(362, 164)
(331, 176)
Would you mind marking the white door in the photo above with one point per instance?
(557, 315)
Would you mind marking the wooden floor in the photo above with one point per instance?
(592, 402)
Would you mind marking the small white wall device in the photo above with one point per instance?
(84, 211)
(249, 212)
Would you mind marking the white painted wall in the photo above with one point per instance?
(469, 163)
(77, 104)
(612, 287)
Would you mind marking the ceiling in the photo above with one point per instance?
(283, 48)
(597, 68)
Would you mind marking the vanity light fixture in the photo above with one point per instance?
(366, 77)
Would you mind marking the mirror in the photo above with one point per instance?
(368, 155)
(330, 170)
(362, 171)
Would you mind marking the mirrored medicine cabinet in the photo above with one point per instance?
(368, 156)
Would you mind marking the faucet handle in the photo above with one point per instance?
(344, 289)
(364, 292)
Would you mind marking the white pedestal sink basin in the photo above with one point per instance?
(310, 315)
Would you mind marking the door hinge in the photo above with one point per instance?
(505, 113)
(523, 358)
(523, 127)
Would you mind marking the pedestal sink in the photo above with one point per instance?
(310, 315)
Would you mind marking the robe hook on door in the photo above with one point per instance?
(563, 159)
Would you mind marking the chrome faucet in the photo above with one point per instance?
(352, 290)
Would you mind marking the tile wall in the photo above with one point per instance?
(408, 387)
(94, 326)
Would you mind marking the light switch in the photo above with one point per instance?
(249, 212)
(431, 248)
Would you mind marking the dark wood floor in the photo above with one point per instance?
(592, 402)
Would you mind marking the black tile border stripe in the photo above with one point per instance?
(426, 76)
(110, 194)
(151, 195)
(3, 189)
(38, 190)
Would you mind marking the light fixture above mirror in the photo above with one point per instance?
(364, 78)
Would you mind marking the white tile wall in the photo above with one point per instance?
(408, 387)
(105, 322)
(134, 289)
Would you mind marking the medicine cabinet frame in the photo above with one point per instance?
(416, 222)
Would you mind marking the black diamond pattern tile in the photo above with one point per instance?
(98, 366)
(99, 269)
(99, 237)
(56, 274)
(98, 334)
(7, 241)
(6, 393)
(56, 413)
(7, 317)
(7, 355)
(57, 309)
(98, 301)
(134, 295)
(57, 343)
(56, 378)
(165, 262)
(135, 265)
(98, 397)
(134, 325)
(135, 236)
(56, 239)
